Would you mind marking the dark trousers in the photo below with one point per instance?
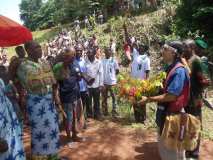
(108, 88)
(140, 113)
(86, 104)
(94, 97)
(197, 112)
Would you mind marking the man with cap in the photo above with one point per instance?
(199, 81)
(174, 97)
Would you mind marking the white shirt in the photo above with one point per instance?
(76, 21)
(5, 64)
(113, 47)
(132, 40)
(109, 67)
(140, 64)
(95, 70)
(86, 44)
(86, 21)
(135, 53)
(82, 83)
(100, 16)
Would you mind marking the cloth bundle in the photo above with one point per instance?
(181, 132)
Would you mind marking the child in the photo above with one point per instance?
(110, 69)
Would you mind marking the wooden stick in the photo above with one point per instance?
(208, 104)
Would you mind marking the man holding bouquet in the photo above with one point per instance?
(174, 97)
(140, 69)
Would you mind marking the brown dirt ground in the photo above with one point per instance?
(108, 140)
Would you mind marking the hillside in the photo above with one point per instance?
(149, 28)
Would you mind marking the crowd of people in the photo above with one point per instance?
(3, 57)
(71, 76)
(72, 82)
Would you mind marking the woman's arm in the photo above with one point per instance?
(56, 94)
(167, 97)
(57, 100)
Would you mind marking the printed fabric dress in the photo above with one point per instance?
(37, 79)
(10, 129)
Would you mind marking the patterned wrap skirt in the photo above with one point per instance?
(44, 125)
(10, 129)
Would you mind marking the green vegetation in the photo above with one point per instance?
(191, 19)
(44, 35)
(207, 123)
(194, 18)
(38, 14)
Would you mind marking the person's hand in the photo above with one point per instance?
(3, 145)
(134, 102)
(17, 96)
(101, 88)
(91, 81)
(57, 100)
(184, 61)
(143, 100)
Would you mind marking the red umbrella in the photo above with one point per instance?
(12, 33)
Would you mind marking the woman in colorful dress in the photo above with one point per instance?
(11, 93)
(37, 78)
(11, 146)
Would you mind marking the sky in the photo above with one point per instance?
(10, 9)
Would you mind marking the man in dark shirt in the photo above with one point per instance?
(199, 81)
(67, 73)
(69, 88)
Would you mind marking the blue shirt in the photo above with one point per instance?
(82, 83)
(177, 81)
(69, 87)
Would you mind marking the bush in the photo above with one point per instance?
(194, 16)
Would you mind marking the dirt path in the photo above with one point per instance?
(109, 141)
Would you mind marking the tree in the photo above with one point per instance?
(40, 14)
(46, 15)
(29, 10)
(194, 15)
